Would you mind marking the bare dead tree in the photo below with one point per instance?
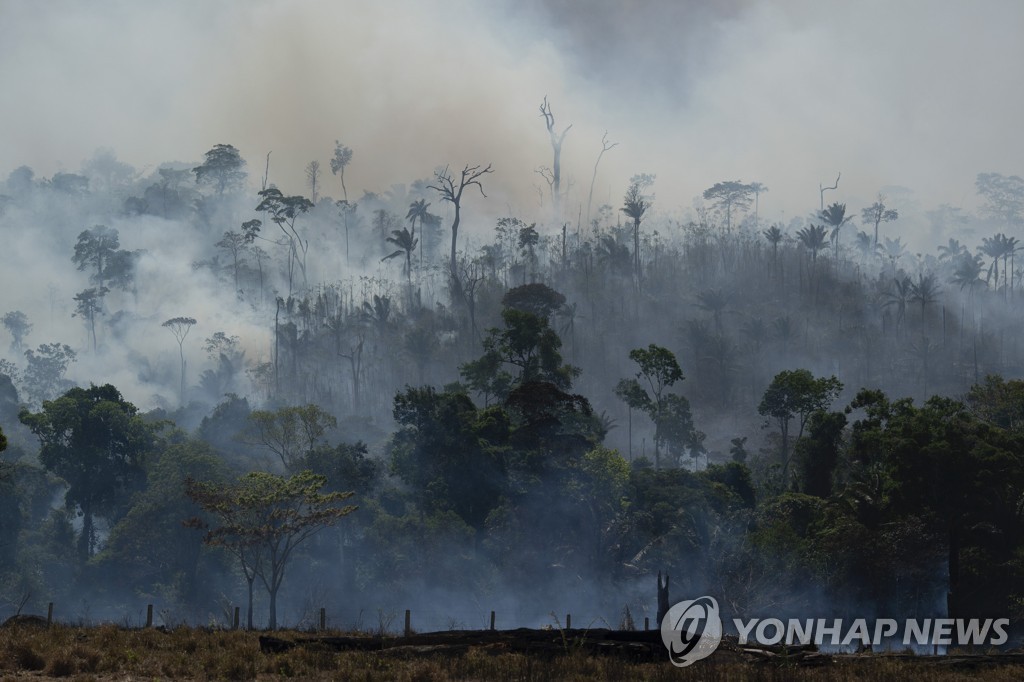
(822, 190)
(605, 146)
(549, 178)
(451, 190)
(556, 148)
(313, 179)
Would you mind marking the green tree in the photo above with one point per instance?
(264, 518)
(538, 299)
(528, 344)
(95, 440)
(670, 412)
(150, 548)
(998, 402)
(963, 478)
(222, 167)
(449, 453)
(291, 433)
(818, 455)
(795, 394)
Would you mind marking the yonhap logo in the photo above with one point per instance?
(691, 630)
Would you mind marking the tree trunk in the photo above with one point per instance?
(249, 581)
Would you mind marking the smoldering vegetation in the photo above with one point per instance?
(538, 399)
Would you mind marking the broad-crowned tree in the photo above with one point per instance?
(264, 518)
(222, 167)
(795, 395)
(96, 441)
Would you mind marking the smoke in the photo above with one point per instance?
(785, 93)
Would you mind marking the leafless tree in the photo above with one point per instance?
(451, 188)
(556, 148)
(313, 179)
(605, 146)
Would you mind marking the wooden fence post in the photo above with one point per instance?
(323, 618)
(49, 614)
(647, 623)
(149, 615)
(408, 621)
(234, 622)
(568, 621)
(492, 620)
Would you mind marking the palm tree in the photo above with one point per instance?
(864, 246)
(528, 239)
(774, 236)
(898, 296)
(951, 251)
(835, 217)
(968, 271)
(714, 301)
(813, 239)
(418, 211)
(406, 242)
(613, 255)
(893, 249)
(1009, 248)
(924, 291)
(634, 206)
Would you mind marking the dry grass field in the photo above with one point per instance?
(108, 652)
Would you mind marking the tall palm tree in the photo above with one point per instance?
(835, 217)
(899, 296)
(714, 301)
(893, 249)
(924, 291)
(613, 255)
(406, 242)
(864, 246)
(813, 239)
(1009, 248)
(951, 251)
(774, 236)
(991, 247)
(634, 205)
(968, 272)
(418, 211)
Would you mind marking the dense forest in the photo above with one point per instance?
(230, 394)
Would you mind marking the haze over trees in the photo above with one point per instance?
(531, 410)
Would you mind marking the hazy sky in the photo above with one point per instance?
(923, 94)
